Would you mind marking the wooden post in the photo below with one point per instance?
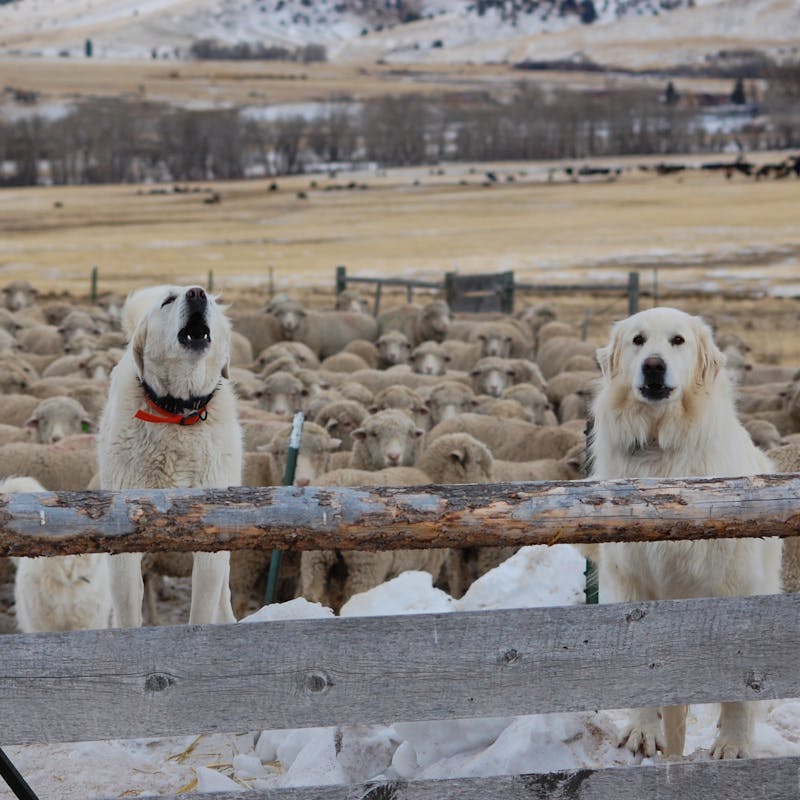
(211, 280)
(341, 279)
(377, 306)
(633, 293)
(94, 285)
(271, 282)
(655, 287)
(585, 325)
(410, 293)
(391, 518)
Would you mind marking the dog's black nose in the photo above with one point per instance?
(654, 370)
(196, 298)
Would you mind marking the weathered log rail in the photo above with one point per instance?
(62, 523)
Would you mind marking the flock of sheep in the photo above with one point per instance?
(418, 395)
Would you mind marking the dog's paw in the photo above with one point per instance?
(643, 739)
(727, 747)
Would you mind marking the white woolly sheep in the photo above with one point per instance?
(510, 439)
(393, 348)
(581, 363)
(502, 339)
(325, 332)
(430, 322)
(340, 419)
(502, 409)
(282, 394)
(456, 458)
(429, 358)
(316, 445)
(40, 339)
(18, 294)
(555, 353)
(535, 400)
(449, 398)
(387, 439)
(492, 376)
(344, 362)
(764, 434)
(550, 330)
(352, 300)
(404, 399)
(65, 466)
(568, 468)
(58, 417)
(17, 408)
(259, 328)
(565, 383)
(364, 349)
(298, 352)
(351, 390)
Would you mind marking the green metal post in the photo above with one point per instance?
(94, 285)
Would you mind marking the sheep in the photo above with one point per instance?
(364, 349)
(78, 323)
(316, 445)
(429, 358)
(492, 376)
(577, 405)
(764, 434)
(14, 377)
(581, 363)
(393, 348)
(259, 328)
(765, 397)
(404, 399)
(17, 408)
(245, 383)
(510, 439)
(18, 294)
(787, 419)
(536, 316)
(431, 321)
(550, 330)
(13, 433)
(65, 466)
(93, 366)
(59, 593)
(456, 458)
(535, 400)
(352, 300)
(8, 321)
(241, 350)
(377, 380)
(555, 352)
(340, 419)
(565, 383)
(768, 373)
(90, 394)
(356, 392)
(315, 404)
(567, 468)
(300, 353)
(8, 344)
(503, 409)
(58, 417)
(344, 362)
(502, 339)
(325, 332)
(449, 398)
(40, 339)
(282, 394)
(525, 371)
(385, 439)
(463, 355)
(787, 459)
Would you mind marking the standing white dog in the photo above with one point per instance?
(171, 422)
(665, 409)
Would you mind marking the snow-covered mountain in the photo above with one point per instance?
(629, 32)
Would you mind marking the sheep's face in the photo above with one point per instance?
(388, 439)
(492, 377)
(393, 349)
(450, 401)
(427, 361)
(283, 394)
(435, 321)
(181, 346)
(290, 317)
(341, 424)
(58, 417)
(313, 457)
(351, 300)
(495, 344)
(17, 295)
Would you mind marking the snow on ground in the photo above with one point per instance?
(535, 576)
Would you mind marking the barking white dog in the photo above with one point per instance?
(170, 422)
(665, 409)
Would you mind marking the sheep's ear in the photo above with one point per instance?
(474, 402)
(423, 410)
(334, 444)
(418, 432)
(512, 373)
(331, 423)
(474, 373)
(374, 409)
(709, 358)
(32, 423)
(304, 392)
(359, 433)
(458, 455)
(447, 359)
(258, 393)
(481, 337)
(137, 346)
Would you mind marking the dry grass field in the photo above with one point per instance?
(701, 231)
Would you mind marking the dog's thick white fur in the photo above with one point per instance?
(59, 593)
(182, 352)
(665, 409)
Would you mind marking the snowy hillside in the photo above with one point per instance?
(402, 30)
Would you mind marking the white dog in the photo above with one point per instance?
(171, 422)
(665, 409)
(59, 593)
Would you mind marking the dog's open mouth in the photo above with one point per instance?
(196, 334)
(656, 391)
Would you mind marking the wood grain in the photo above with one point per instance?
(383, 518)
(200, 679)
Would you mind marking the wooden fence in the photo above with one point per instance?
(200, 679)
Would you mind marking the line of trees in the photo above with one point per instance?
(117, 140)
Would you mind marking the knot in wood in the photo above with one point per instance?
(512, 656)
(158, 681)
(636, 615)
(317, 681)
(754, 680)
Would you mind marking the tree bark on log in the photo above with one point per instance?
(387, 518)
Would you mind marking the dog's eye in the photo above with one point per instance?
(677, 340)
(171, 299)
(639, 340)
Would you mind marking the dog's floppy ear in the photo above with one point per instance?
(608, 357)
(137, 346)
(226, 369)
(710, 359)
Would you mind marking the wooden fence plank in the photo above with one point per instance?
(197, 679)
(752, 779)
(390, 518)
